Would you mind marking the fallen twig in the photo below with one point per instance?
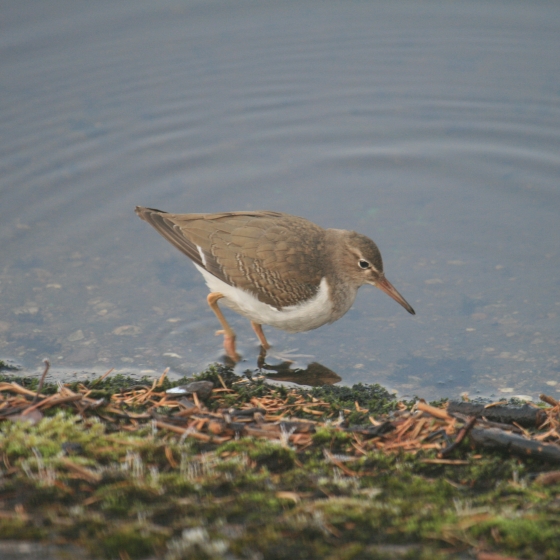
(519, 445)
(42, 381)
(526, 416)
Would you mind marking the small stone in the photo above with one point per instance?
(126, 330)
(203, 389)
(76, 335)
(29, 309)
(187, 403)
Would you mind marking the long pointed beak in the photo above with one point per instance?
(385, 286)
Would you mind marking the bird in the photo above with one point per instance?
(274, 268)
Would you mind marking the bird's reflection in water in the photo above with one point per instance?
(286, 366)
(314, 374)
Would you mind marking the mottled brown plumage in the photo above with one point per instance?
(271, 255)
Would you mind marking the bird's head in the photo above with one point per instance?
(364, 265)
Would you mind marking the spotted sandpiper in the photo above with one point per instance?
(273, 268)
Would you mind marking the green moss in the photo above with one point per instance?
(373, 397)
(123, 500)
(331, 438)
(137, 541)
(148, 493)
(213, 374)
(20, 529)
(529, 536)
(23, 440)
(273, 457)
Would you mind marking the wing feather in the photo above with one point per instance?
(271, 255)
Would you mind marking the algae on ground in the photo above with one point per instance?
(136, 491)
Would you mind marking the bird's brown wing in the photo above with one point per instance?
(271, 255)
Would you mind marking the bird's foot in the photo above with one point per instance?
(261, 360)
(260, 335)
(229, 345)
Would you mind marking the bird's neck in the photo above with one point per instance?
(342, 288)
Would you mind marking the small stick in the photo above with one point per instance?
(444, 461)
(495, 403)
(41, 383)
(163, 376)
(196, 401)
(437, 412)
(53, 400)
(100, 379)
(460, 436)
(84, 472)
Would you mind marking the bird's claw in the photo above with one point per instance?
(229, 345)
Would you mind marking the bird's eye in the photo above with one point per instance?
(363, 264)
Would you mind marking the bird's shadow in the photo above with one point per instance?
(287, 369)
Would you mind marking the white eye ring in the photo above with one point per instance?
(363, 264)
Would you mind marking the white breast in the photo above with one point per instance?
(297, 318)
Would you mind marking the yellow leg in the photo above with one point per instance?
(228, 332)
(259, 332)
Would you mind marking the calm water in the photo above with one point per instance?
(432, 127)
